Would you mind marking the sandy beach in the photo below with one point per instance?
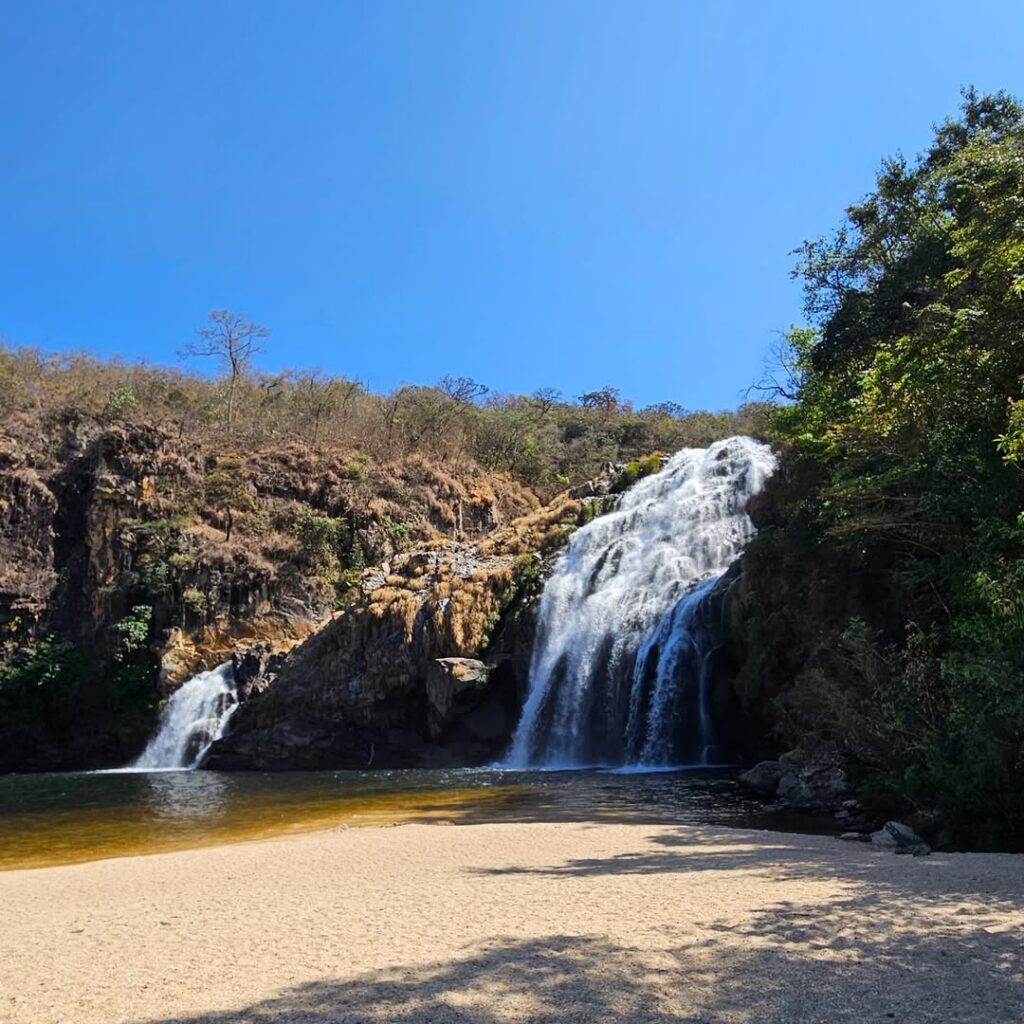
(517, 922)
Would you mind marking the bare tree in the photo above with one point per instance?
(462, 390)
(545, 399)
(232, 338)
(786, 366)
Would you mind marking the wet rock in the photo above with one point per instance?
(255, 669)
(819, 784)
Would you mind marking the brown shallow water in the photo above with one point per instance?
(68, 818)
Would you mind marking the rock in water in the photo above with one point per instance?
(813, 786)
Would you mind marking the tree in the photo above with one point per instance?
(234, 340)
(544, 400)
(900, 440)
(462, 390)
(320, 398)
(606, 400)
(228, 491)
(786, 367)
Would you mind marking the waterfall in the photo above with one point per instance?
(621, 667)
(194, 717)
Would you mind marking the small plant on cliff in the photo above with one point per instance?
(637, 470)
(356, 560)
(37, 664)
(399, 534)
(132, 633)
(194, 600)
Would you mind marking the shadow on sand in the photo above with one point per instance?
(912, 941)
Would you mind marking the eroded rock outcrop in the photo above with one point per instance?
(426, 669)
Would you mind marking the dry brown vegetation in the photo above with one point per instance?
(543, 440)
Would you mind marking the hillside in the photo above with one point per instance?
(143, 536)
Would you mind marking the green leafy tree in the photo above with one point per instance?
(902, 433)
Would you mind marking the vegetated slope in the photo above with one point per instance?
(141, 538)
(881, 607)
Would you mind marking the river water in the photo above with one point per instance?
(79, 816)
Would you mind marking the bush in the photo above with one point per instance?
(637, 470)
(320, 535)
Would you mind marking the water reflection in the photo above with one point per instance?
(184, 794)
(57, 819)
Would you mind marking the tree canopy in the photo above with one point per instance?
(904, 448)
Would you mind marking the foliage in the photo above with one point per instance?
(637, 470)
(320, 535)
(132, 633)
(121, 401)
(906, 430)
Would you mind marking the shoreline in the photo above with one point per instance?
(523, 922)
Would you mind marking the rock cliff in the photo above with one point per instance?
(428, 667)
(130, 559)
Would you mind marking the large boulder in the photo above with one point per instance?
(815, 787)
(900, 838)
(764, 777)
(811, 784)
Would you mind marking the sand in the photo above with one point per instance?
(517, 922)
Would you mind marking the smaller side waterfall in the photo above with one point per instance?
(194, 717)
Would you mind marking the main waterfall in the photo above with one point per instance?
(620, 670)
(194, 717)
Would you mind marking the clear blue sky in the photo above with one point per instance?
(533, 194)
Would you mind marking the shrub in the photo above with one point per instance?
(320, 535)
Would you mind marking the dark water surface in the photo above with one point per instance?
(79, 816)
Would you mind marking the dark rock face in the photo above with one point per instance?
(255, 670)
(101, 522)
(448, 682)
(764, 777)
(429, 668)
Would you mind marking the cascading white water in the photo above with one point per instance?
(621, 666)
(194, 717)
